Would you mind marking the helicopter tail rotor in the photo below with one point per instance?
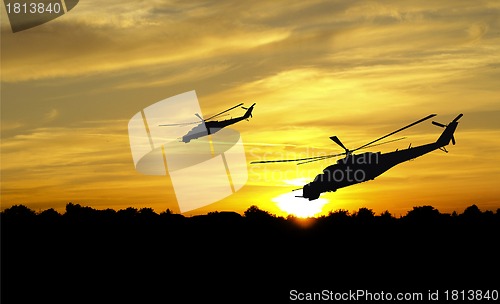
(444, 126)
(438, 124)
(453, 123)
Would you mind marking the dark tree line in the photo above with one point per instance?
(140, 256)
(75, 213)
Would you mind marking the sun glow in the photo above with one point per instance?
(293, 204)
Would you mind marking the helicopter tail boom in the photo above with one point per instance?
(248, 113)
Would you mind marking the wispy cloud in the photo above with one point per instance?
(96, 39)
(51, 115)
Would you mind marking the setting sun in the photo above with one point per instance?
(292, 202)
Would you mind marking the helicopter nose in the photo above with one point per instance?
(309, 192)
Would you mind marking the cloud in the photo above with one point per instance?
(51, 115)
(53, 166)
(477, 31)
(259, 38)
(82, 45)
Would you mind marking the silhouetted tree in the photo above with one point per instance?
(72, 208)
(108, 214)
(386, 215)
(364, 215)
(79, 210)
(224, 218)
(338, 216)
(49, 215)
(147, 213)
(423, 214)
(254, 213)
(472, 213)
(169, 217)
(19, 212)
(129, 212)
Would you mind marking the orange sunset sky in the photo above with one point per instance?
(354, 69)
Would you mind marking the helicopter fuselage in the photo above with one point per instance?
(211, 127)
(358, 168)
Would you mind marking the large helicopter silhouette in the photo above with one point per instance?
(357, 168)
(206, 127)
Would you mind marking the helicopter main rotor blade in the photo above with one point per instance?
(330, 156)
(385, 142)
(185, 123)
(224, 111)
(399, 130)
(320, 158)
(438, 124)
(293, 160)
(458, 117)
(316, 158)
(338, 142)
(198, 115)
(179, 124)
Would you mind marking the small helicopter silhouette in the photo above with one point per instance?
(206, 127)
(357, 168)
